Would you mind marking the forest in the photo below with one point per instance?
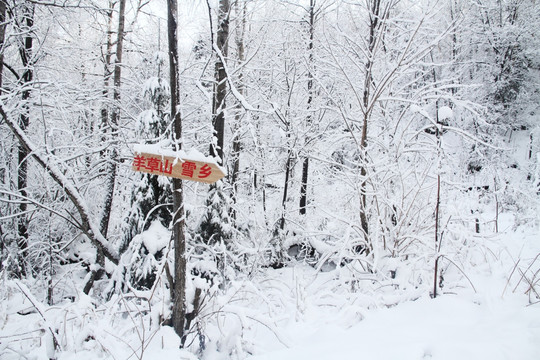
(380, 196)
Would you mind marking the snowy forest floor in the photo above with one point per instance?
(491, 312)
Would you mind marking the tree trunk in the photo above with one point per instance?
(112, 127)
(24, 121)
(179, 286)
(289, 163)
(438, 136)
(305, 166)
(453, 9)
(288, 169)
(115, 119)
(220, 86)
(373, 26)
(213, 228)
(237, 144)
(2, 38)
(106, 69)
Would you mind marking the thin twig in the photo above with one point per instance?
(29, 297)
(510, 277)
(461, 270)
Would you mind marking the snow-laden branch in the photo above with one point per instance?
(34, 202)
(245, 104)
(89, 227)
(442, 127)
(472, 137)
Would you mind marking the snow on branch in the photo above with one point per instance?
(89, 227)
(245, 104)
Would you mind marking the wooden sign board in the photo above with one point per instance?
(181, 168)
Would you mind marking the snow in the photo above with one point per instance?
(445, 113)
(328, 302)
(162, 149)
(495, 322)
(299, 313)
(154, 84)
(520, 144)
(158, 149)
(444, 328)
(156, 237)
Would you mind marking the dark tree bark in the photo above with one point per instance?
(305, 165)
(179, 286)
(212, 228)
(107, 73)
(288, 167)
(220, 86)
(114, 120)
(374, 27)
(24, 121)
(240, 7)
(289, 163)
(2, 38)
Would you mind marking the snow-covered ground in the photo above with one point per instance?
(493, 323)
(491, 313)
(449, 327)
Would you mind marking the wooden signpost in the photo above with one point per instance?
(177, 167)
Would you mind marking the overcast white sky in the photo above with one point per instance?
(192, 16)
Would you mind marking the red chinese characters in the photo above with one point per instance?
(176, 167)
(205, 171)
(152, 164)
(188, 168)
(139, 161)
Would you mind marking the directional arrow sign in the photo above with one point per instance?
(197, 168)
